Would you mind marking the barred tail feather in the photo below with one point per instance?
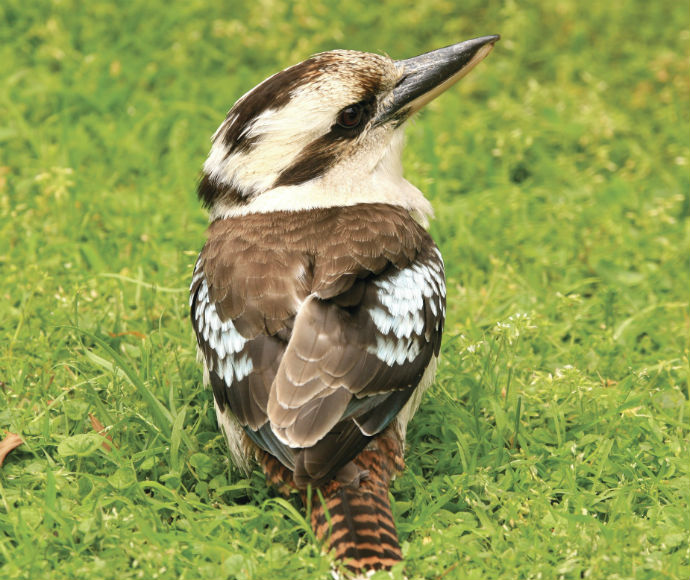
(356, 519)
(359, 528)
(352, 513)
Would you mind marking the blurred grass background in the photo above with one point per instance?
(555, 442)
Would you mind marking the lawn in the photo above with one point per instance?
(555, 442)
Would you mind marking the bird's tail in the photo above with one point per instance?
(355, 519)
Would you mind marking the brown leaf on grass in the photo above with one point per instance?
(100, 429)
(12, 441)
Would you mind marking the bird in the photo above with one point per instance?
(318, 299)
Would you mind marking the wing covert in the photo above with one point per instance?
(350, 361)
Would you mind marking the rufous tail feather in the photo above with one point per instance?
(354, 519)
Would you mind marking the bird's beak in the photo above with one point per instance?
(426, 76)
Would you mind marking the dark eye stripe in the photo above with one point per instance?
(321, 154)
(314, 160)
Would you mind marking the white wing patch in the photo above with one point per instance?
(400, 319)
(221, 336)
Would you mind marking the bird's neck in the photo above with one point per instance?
(345, 184)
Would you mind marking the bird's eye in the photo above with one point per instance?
(351, 116)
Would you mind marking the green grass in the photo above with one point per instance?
(555, 441)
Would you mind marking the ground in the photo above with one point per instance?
(554, 443)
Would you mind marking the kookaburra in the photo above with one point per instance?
(318, 300)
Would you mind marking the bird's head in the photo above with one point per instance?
(328, 132)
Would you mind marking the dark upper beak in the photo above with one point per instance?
(426, 76)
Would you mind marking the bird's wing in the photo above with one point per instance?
(349, 370)
(349, 361)
(312, 376)
(242, 323)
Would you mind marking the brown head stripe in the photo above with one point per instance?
(273, 93)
